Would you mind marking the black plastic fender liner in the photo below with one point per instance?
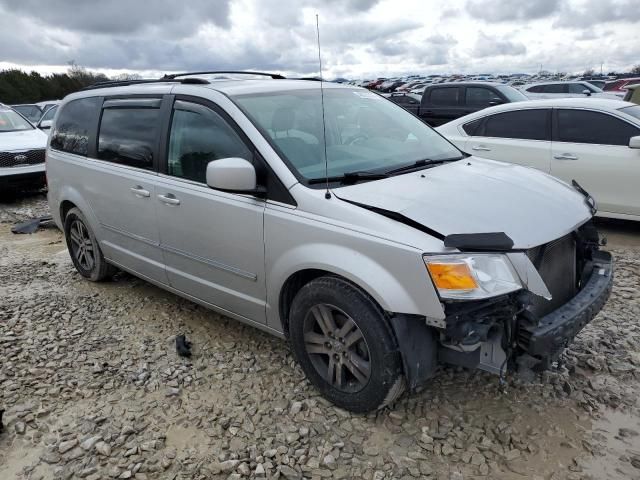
(491, 241)
(418, 348)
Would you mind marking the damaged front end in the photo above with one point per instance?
(565, 282)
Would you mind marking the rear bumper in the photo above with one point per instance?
(556, 329)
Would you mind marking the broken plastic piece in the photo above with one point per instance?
(183, 346)
(30, 226)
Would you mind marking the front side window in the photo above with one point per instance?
(198, 136)
(10, 121)
(363, 131)
(71, 132)
(128, 136)
(633, 110)
(535, 89)
(584, 126)
(480, 97)
(521, 124)
(579, 88)
(445, 96)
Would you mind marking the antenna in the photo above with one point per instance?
(327, 194)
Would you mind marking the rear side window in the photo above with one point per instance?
(522, 124)
(583, 126)
(556, 88)
(480, 97)
(73, 127)
(129, 136)
(445, 96)
(471, 127)
(198, 136)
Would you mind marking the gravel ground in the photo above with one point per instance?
(93, 388)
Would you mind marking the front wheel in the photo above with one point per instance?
(84, 248)
(343, 342)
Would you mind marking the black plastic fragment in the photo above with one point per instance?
(30, 226)
(491, 241)
(1, 425)
(183, 346)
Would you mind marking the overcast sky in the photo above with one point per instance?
(360, 38)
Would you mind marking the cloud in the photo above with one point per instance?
(512, 10)
(123, 16)
(487, 46)
(359, 37)
(592, 13)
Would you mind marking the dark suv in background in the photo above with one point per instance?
(444, 102)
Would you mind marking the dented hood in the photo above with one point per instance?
(478, 196)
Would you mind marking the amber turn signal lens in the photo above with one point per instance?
(452, 276)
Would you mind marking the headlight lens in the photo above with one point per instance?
(470, 277)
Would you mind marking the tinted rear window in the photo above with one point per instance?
(523, 124)
(444, 96)
(75, 122)
(128, 136)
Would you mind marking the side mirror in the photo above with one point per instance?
(587, 92)
(495, 101)
(634, 142)
(233, 174)
(45, 125)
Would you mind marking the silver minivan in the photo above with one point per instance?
(329, 216)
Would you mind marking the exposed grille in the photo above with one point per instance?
(556, 263)
(17, 159)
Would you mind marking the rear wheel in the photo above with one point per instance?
(84, 249)
(343, 343)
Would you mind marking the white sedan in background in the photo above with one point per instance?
(595, 142)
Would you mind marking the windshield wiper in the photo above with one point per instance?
(350, 177)
(419, 164)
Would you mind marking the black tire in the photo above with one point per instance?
(365, 365)
(84, 249)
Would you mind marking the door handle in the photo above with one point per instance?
(565, 156)
(481, 148)
(138, 191)
(169, 199)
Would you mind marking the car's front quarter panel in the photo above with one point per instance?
(392, 272)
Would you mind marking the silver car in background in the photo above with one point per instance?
(332, 218)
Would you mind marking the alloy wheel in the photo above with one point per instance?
(82, 247)
(337, 348)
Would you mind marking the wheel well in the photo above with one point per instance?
(291, 287)
(65, 206)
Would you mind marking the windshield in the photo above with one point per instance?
(364, 131)
(634, 111)
(31, 112)
(511, 93)
(10, 121)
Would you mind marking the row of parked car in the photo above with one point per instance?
(417, 84)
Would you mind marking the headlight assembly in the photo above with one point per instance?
(472, 276)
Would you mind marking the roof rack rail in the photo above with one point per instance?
(124, 83)
(275, 76)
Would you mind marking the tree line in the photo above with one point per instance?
(17, 86)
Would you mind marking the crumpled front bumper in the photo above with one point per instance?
(558, 328)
